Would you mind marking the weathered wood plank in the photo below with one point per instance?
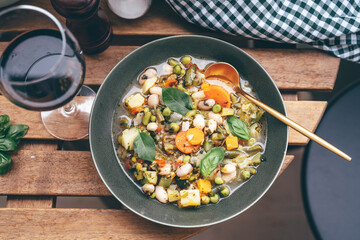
(289, 68)
(84, 224)
(306, 113)
(297, 110)
(18, 201)
(56, 173)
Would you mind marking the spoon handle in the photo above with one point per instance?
(297, 127)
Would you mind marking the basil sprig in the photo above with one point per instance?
(144, 146)
(177, 100)
(9, 138)
(238, 128)
(210, 161)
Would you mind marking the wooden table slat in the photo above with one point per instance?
(56, 173)
(84, 224)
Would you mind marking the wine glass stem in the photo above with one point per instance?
(69, 109)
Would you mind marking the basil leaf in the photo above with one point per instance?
(176, 100)
(238, 128)
(5, 161)
(210, 161)
(17, 131)
(144, 146)
(7, 144)
(4, 125)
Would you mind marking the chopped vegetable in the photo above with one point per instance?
(183, 145)
(195, 136)
(189, 198)
(135, 101)
(227, 112)
(128, 137)
(231, 142)
(170, 82)
(204, 186)
(219, 94)
(149, 83)
(174, 195)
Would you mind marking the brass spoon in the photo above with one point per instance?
(224, 71)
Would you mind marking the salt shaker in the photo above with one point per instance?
(129, 9)
(87, 21)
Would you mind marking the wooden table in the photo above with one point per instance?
(43, 170)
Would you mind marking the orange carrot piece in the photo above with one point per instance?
(169, 82)
(160, 163)
(195, 136)
(219, 94)
(135, 110)
(182, 143)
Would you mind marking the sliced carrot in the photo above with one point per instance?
(219, 94)
(135, 110)
(182, 143)
(170, 81)
(160, 163)
(195, 136)
(178, 163)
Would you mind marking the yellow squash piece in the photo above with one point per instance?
(204, 186)
(231, 142)
(189, 198)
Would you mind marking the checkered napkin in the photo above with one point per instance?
(333, 26)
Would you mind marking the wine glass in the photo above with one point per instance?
(43, 68)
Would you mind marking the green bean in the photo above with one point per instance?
(225, 192)
(159, 115)
(205, 200)
(190, 75)
(185, 60)
(208, 145)
(177, 69)
(254, 149)
(232, 154)
(166, 112)
(245, 174)
(175, 127)
(233, 98)
(219, 181)
(190, 114)
(214, 198)
(173, 62)
(165, 182)
(256, 160)
(252, 170)
(153, 118)
(217, 136)
(146, 118)
(216, 108)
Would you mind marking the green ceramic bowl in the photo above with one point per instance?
(111, 91)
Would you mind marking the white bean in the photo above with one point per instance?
(167, 69)
(228, 176)
(199, 121)
(138, 119)
(156, 90)
(161, 194)
(152, 126)
(149, 73)
(215, 116)
(185, 126)
(206, 104)
(211, 126)
(184, 170)
(198, 95)
(165, 170)
(153, 100)
(148, 188)
(228, 168)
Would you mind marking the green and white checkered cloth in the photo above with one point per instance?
(333, 26)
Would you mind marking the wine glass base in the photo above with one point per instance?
(71, 122)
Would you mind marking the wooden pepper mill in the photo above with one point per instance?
(87, 21)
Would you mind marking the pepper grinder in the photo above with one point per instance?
(87, 21)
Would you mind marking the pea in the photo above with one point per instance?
(153, 195)
(245, 175)
(166, 112)
(216, 108)
(146, 118)
(173, 62)
(205, 200)
(175, 127)
(219, 181)
(186, 60)
(177, 69)
(183, 71)
(214, 198)
(186, 159)
(225, 192)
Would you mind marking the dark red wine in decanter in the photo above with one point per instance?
(87, 21)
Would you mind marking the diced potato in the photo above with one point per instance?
(173, 195)
(189, 198)
(231, 142)
(128, 137)
(149, 83)
(135, 101)
(204, 186)
(151, 177)
(227, 112)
